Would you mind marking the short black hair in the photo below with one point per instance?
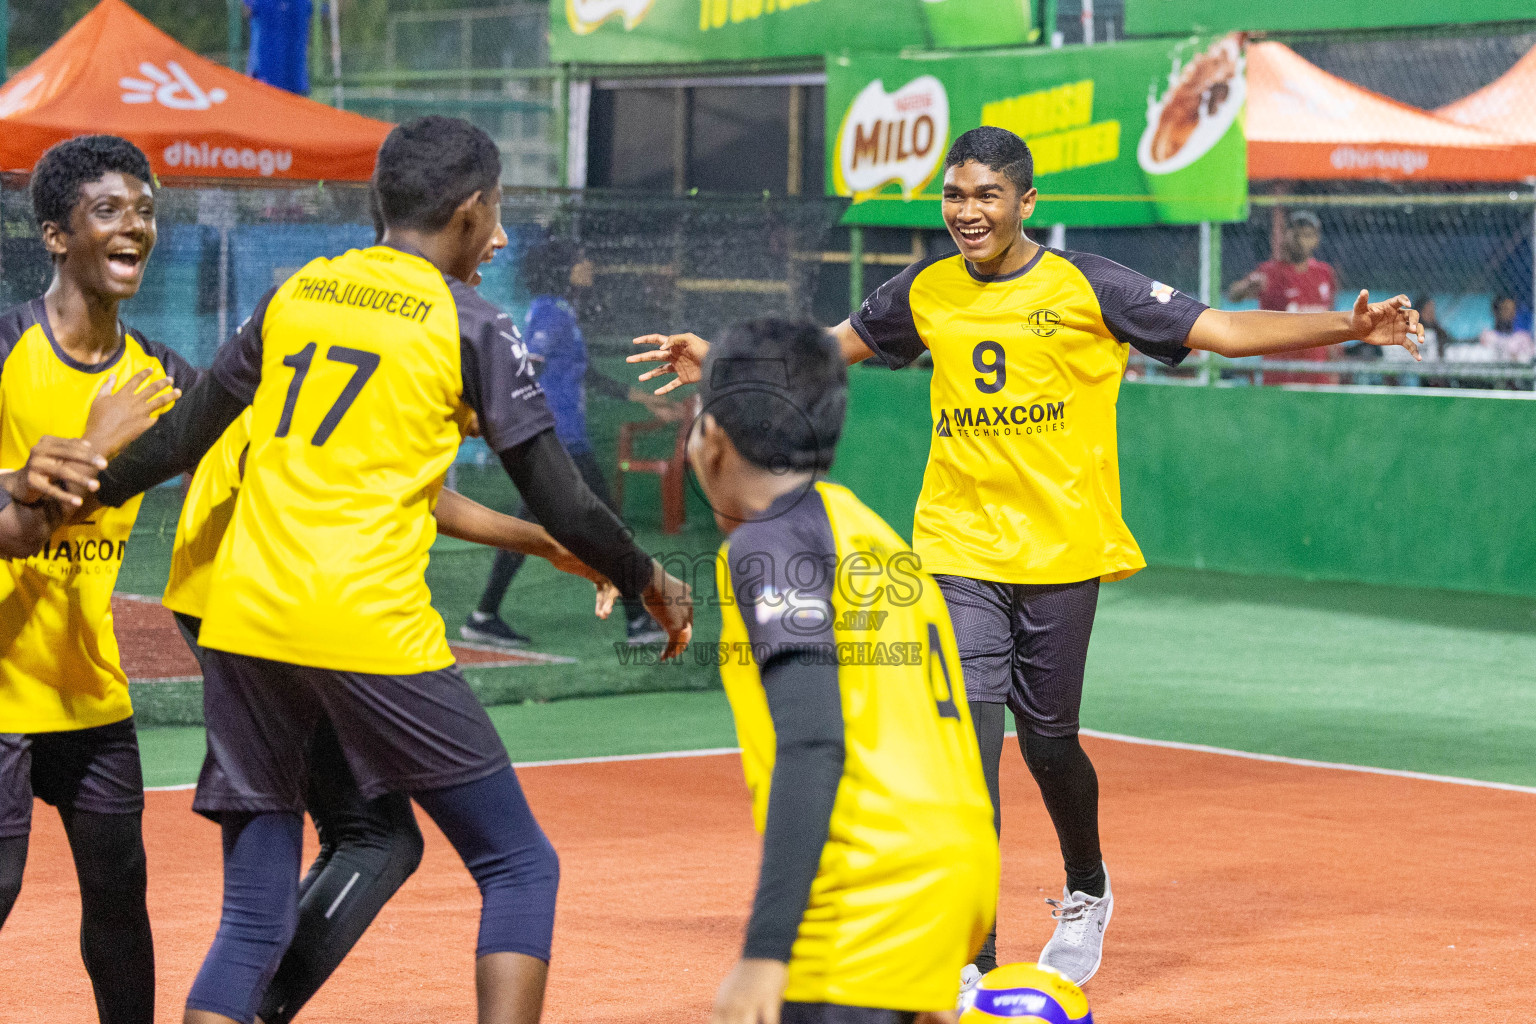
(998, 149)
(428, 166)
(546, 266)
(66, 166)
(779, 390)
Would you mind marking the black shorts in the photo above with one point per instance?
(405, 733)
(95, 770)
(832, 1013)
(1024, 645)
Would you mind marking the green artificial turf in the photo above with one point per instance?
(1432, 681)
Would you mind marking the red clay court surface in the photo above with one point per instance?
(152, 648)
(1249, 892)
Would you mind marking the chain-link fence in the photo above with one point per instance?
(674, 264)
(1464, 258)
(660, 263)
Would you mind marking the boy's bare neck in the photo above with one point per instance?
(84, 324)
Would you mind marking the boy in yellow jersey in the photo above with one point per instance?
(66, 724)
(361, 372)
(880, 864)
(1019, 515)
(368, 848)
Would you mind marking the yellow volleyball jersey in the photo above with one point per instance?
(1023, 476)
(205, 516)
(59, 665)
(907, 883)
(361, 371)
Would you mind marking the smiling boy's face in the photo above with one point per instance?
(110, 235)
(984, 211)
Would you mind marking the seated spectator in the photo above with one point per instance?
(1296, 283)
(1505, 343)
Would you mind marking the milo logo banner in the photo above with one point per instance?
(1124, 134)
(642, 31)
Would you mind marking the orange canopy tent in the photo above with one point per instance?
(1304, 123)
(1506, 105)
(114, 72)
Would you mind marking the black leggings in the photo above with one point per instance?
(507, 563)
(115, 940)
(368, 848)
(1069, 786)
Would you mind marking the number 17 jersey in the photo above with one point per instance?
(361, 372)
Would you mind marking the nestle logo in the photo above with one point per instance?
(1044, 322)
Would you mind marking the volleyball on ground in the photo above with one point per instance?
(1023, 993)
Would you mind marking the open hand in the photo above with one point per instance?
(1393, 322)
(116, 418)
(59, 468)
(682, 354)
(753, 993)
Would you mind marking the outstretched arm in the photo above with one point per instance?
(556, 494)
(683, 354)
(1259, 332)
(459, 517)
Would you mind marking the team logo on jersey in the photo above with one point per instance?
(586, 16)
(1161, 292)
(892, 138)
(1044, 322)
(798, 612)
(515, 340)
(171, 87)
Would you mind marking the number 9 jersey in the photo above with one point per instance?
(907, 882)
(362, 372)
(1023, 477)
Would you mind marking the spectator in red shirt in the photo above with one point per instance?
(1296, 284)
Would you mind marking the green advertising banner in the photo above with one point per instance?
(682, 31)
(1179, 17)
(1123, 134)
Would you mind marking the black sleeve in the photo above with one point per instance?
(499, 382)
(783, 568)
(807, 710)
(885, 320)
(1148, 315)
(238, 362)
(597, 380)
(174, 444)
(564, 505)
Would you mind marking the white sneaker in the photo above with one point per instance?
(970, 978)
(1077, 948)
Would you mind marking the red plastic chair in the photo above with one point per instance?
(673, 471)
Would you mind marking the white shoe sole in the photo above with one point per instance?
(473, 635)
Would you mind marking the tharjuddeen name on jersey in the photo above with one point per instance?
(328, 289)
(1002, 420)
(852, 652)
(88, 557)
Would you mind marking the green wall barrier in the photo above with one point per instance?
(1413, 489)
